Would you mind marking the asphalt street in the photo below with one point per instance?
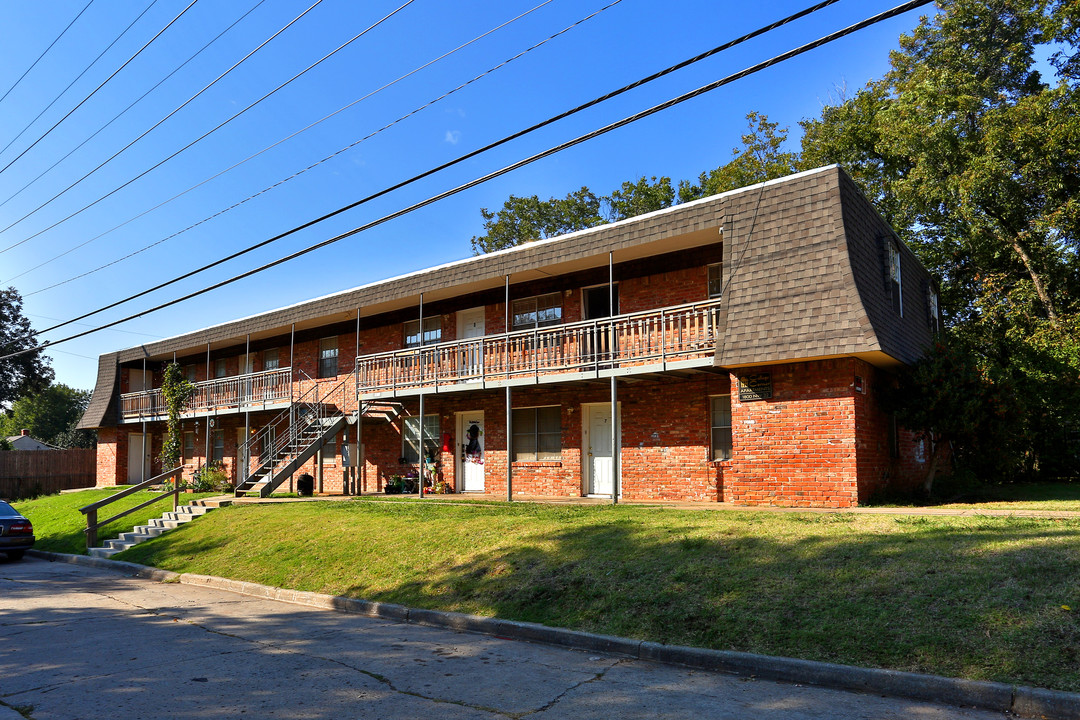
(82, 643)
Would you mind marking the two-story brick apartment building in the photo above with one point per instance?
(739, 342)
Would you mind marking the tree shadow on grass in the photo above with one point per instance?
(980, 600)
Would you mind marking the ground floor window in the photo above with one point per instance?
(189, 446)
(411, 449)
(721, 427)
(537, 434)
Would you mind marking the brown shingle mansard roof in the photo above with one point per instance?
(803, 265)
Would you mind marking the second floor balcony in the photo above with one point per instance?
(252, 391)
(670, 338)
(677, 337)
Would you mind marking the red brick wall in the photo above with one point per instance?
(798, 448)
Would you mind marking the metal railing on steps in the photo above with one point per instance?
(91, 511)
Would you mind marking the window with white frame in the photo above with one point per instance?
(411, 439)
(537, 434)
(537, 311)
(720, 410)
(220, 368)
(189, 446)
(271, 359)
(895, 282)
(432, 332)
(328, 357)
(716, 280)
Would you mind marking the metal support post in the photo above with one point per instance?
(509, 448)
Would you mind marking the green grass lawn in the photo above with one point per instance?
(59, 526)
(987, 598)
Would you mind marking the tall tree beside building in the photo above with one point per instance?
(27, 372)
(974, 157)
(51, 416)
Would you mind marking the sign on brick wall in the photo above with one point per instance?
(755, 387)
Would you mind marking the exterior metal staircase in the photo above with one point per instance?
(294, 436)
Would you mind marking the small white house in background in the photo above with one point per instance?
(24, 441)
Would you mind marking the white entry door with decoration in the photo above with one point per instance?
(471, 327)
(470, 451)
(599, 458)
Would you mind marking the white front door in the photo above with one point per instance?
(471, 326)
(470, 451)
(138, 447)
(599, 460)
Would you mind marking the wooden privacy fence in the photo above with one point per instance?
(28, 473)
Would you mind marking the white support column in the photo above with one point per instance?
(616, 448)
(509, 443)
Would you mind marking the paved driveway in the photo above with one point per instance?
(77, 642)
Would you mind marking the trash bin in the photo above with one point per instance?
(305, 485)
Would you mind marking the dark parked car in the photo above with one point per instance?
(16, 532)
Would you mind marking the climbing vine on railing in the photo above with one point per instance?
(175, 391)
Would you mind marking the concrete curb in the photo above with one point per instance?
(1000, 697)
(125, 568)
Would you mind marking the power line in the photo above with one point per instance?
(193, 142)
(912, 4)
(44, 53)
(103, 82)
(158, 84)
(459, 159)
(313, 165)
(144, 134)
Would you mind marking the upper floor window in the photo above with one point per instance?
(720, 408)
(189, 373)
(328, 355)
(220, 369)
(716, 280)
(895, 283)
(432, 332)
(537, 311)
(271, 359)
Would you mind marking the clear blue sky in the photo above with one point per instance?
(625, 42)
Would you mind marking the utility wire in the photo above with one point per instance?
(313, 165)
(193, 142)
(45, 52)
(459, 159)
(474, 153)
(158, 84)
(144, 134)
(888, 14)
(103, 82)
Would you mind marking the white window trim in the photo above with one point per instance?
(537, 434)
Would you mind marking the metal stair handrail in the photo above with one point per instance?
(282, 436)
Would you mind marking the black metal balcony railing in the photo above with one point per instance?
(239, 391)
(655, 337)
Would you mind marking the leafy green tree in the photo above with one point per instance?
(524, 219)
(28, 372)
(645, 195)
(176, 390)
(51, 416)
(761, 158)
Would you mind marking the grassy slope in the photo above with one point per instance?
(59, 526)
(967, 597)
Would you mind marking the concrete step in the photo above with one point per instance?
(157, 526)
(102, 552)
